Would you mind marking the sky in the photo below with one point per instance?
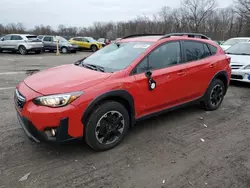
(80, 12)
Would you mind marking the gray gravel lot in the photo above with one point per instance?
(165, 151)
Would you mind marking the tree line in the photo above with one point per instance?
(202, 16)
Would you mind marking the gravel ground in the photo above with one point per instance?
(185, 148)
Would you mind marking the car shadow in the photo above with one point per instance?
(239, 84)
(79, 147)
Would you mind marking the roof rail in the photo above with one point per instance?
(191, 35)
(141, 35)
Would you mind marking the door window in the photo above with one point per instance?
(7, 37)
(16, 37)
(48, 39)
(166, 55)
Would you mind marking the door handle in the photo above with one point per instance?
(181, 73)
(212, 65)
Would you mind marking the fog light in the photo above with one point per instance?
(50, 132)
(53, 132)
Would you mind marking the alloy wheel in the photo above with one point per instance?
(109, 127)
(216, 95)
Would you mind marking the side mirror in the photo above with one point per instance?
(2, 39)
(151, 82)
(148, 74)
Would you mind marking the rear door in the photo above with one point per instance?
(200, 66)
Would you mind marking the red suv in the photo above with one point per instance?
(101, 96)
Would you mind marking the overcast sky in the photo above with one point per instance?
(79, 12)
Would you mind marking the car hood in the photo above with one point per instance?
(240, 59)
(63, 79)
(225, 47)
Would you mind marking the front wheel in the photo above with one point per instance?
(214, 95)
(64, 50)
(94, 48)
(107, 126)
(22, 50)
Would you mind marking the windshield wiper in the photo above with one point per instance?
(243, 54)
(93, 67)
(237, 53)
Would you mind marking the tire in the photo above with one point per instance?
(1, 50)
(64, 50)
(214, 95)
(94, 48)
(97, 126)
(22, 50)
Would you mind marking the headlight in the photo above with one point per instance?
(58, 100)
(247, 67)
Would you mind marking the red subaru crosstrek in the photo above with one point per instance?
(100, 97)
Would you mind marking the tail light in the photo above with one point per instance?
(228, 59)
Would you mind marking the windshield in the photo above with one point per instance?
(117, 57)
(90, 39)
(232, 42)
(61, 39)
(240, 49)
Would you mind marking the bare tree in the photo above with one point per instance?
(196, 11)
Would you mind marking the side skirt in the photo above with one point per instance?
(169, 109)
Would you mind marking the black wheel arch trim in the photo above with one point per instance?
(218, 74)
(123, 94)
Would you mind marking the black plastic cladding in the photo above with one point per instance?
(123, 94)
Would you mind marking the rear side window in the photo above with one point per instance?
(213, 49)
(195, 50)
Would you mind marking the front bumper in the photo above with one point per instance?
(241, 75)
(37, 120)
(38, 136)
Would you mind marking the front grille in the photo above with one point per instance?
(19, 100)
(236, 66)
(239, 77)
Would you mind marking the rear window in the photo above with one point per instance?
(31, 37)
(115, 57)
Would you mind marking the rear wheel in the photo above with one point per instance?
(22, 50)
(107, 126)
(94, 48)
(214, 95)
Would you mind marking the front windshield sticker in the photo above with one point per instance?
(141, 46)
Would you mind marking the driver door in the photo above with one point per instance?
(86, 43)
(5, 42)
(169, 75)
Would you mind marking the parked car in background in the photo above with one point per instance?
(101, 96)
(22, 43)
(240, 61)
(50, 43)
(104, 41)
(230, 42)
(87, 43)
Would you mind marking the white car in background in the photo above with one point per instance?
(240, 61)
(22, 43)
(230, 42)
